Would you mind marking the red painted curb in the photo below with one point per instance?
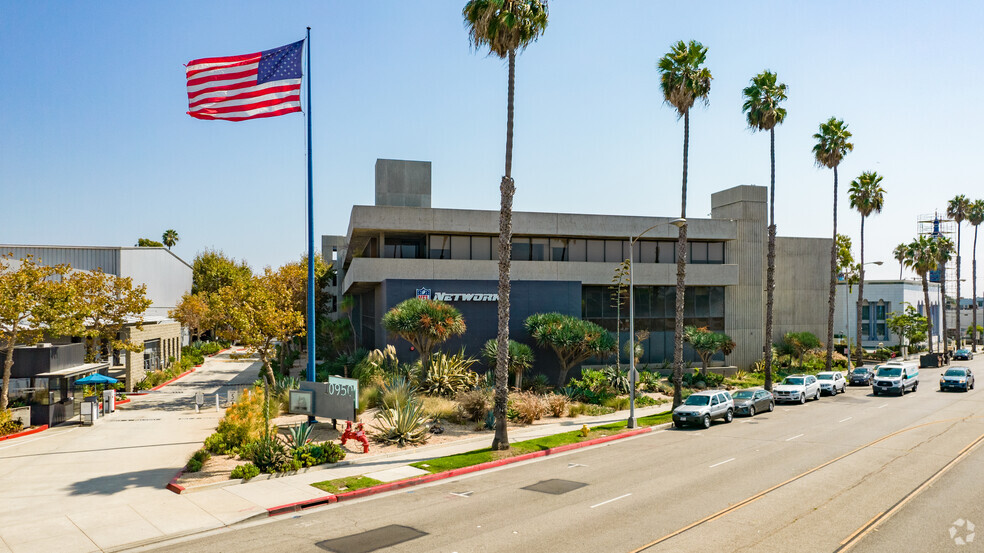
(427, 478)
(173, 486)
(186, 373)
(24, 433)
(128, 400)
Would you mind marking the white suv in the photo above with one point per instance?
(797, 387)
(832, 382)
(702, 407)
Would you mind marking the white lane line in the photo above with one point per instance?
(610, 500)
(845, 420)
(793, 438)
(883, 405)
(36, 439)
(721, 463)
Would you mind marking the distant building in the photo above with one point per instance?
(881, 299)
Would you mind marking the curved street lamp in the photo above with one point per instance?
(847, 317)
(631, 423)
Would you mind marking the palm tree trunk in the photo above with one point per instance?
(681, 276)
(833, 285)
(507, 188)
(860, 297)
(973, 332)
(959, 339)
(8, 363)
(770, 278)
(928, 313)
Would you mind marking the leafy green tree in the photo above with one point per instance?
(426, 324)
(707, 343)
(957, 209)
(975, 216)
(867, 197)
(908, 325)
(574, 340)
(520, 358)
(148, 243)
(34, 300)
(763, 112)
(899, 254)
(831, 147)
(170, 238)
(504, 27)
(212, 270)
(683, 80)
(193, 311)
(801, 342)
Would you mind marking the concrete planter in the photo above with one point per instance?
(22, 414)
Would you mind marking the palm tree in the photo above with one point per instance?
(944, 254)
(762, 98)
(975, 215)
(899, 254)
(866, 196)
(921, 256)
(170, 238)
(956, 209)
(831, 147)
(504, 27)
(683, 81)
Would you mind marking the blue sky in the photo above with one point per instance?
(96, 148)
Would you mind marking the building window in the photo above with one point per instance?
(577, 250)
(614, 251)
(558, 249)
(440, 246)
(698, 253)
(404, 248)
(647, 251)
(865, 318)
(596, 251)
(460, 247)
(539, 249)
(521, 249)
(667, 252)
(715, 253)
(481, 248)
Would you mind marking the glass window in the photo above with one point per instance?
(715, 252)
(593, 301)
(716, 301)
(648, 251)
(521, 249)
(703, 299)
(410, 250)
(577, 249)
(865, 312)
(882, 331)
(440, 246)
(643, 299)
(613, 251)
(698, 253)
(689, 303)
(596, 250)
(390, 250)
(558, 249)
(460, 247)
(538, 249)
(481, 247)
(667, 252)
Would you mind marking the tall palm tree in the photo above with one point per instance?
(170, 238)
(763, 113)
(921, 255)
(683, 81)
(866, 196)
(975, 216)
(899, 254)
(956, 209)
(831, 147)
(504, 27)
(943, 254)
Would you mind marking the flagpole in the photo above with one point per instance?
(310, 206)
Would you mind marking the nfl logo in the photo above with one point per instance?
(423, 293)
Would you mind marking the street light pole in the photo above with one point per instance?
(847, 315)
(631, 423)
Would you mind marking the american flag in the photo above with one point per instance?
(234, 88)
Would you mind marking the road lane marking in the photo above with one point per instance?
(721, 463)
(36, 439)
(610, 500)
(461, 494)
(845, 420)
(883, 405)
(574, 465)
(793, 438)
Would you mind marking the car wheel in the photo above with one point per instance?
(817, 397)
(833, 391)
(729, 416)
(772, 406)
(706, 421)
(802, 398)
(915, 387)
(874, 392)
(972, 385)
(751, 411)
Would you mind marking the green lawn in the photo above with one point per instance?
(341, 485)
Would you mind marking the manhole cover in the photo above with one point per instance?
(555, 486)
(372, 540)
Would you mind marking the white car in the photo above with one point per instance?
(832, 382)
(797, 387)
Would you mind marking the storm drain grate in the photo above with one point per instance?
(555, 486)
(372, 540)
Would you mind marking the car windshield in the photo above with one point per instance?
(860, 371)
(697, 400)
(793, 381)
(955, 372)
(963, 351)
(889, 372)
(744, 394)
(825, 376)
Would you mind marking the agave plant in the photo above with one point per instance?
(299, 435)
(618, 380)
(450, 374)
(404, 423)
(397, 390)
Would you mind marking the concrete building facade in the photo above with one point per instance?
(565, 262)
(882, 298)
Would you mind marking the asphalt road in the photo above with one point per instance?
(805, 478)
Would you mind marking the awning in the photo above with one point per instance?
(87, 368)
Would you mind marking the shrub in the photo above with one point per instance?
(440, 408)
(299, 435)
(313, 454)
(617, 403)
(646, 401)
(710, 380)
(243, 423)
(197, 460)
(398, 390)
(372, 370)
(450, 374)
(401, 423)
(589, 409)
(538, 384)
(270, 455)
(528, 407)
(369, 396)
(576, 409)
(592, 387)
(245, 472)
(650, 380)
(617, 380)
(557, 404)
(7, 424)
(474, 404)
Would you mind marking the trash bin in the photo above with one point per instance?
(89, 410)
(109, 401)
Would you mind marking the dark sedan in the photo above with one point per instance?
(963, 355)
(956, 378)
(749, 402)
(861, 376)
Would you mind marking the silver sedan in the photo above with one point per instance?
(751, 401)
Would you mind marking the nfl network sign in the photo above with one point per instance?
(425, 294)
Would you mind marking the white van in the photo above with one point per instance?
(895, 377)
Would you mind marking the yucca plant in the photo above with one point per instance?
(450, 374)
(403, 424)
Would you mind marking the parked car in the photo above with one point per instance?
(957, 378)
(861, 376)
(895, 377)
(963, 354)
(832, 382)
(751, 401)
(797, 387)
(701, 408)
